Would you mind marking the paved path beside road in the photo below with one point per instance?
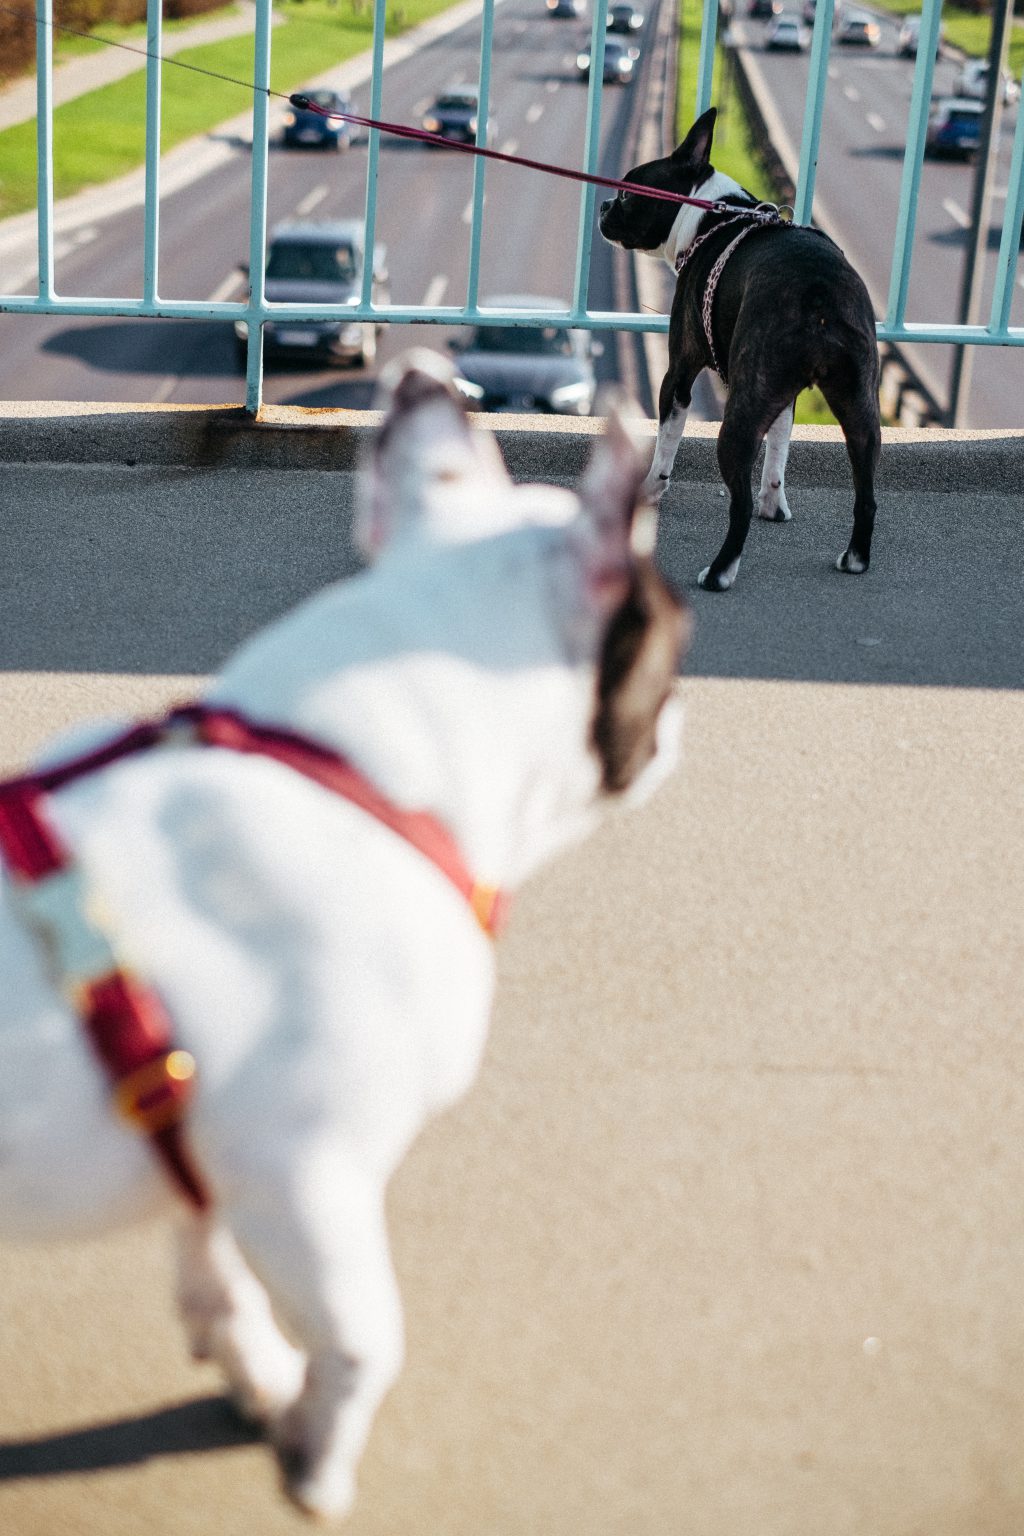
(78, 76)
(727, 1238)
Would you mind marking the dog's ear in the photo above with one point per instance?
(610, 498)
(696, 147)
(430, 473)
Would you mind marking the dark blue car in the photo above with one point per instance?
(954, 127)
(303, 129)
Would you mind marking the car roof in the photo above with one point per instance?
(326, 232)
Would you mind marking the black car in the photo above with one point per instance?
(543, 368)
(624, 16)
(454, 115)
(319, 263)
(310, 128)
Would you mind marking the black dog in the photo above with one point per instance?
(773, 307)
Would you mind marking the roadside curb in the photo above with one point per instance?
(294, 438)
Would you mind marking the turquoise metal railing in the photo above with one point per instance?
(256, 311)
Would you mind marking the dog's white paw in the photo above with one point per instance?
(720, 583)
(773, 506)
(326, 1492)
(851, 563)
(264, 1390)
(654, 487)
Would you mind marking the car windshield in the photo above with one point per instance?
(547, 341)
(314, 262)
(960, 119)
(455, 103)
(329, 99)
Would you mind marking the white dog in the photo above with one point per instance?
(506, 664)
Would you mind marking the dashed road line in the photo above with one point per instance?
(956, 213)
(225, 288)
(876, 122)
(311, 200)
(551, 86)
(534, 112)
(510, 146)
(851, 93)
(436, 290)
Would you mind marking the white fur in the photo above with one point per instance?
(665, 447)
(330, 981)
(771, 498)
(687, 221)
(724, 581)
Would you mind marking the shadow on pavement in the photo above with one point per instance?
(204, 1424)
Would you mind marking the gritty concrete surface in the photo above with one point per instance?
(726, 1239)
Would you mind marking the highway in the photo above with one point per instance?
(529, 241)
(857, 195)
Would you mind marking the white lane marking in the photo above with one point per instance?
(467, 212)
(876, 122)
(551, 86)
(225, 288)
(833, 73)
(510, 146)
(851, 93)
(421, 106)
(535, 112)
(311, 200)
(164, 390)
(956, 213)
(435, 291)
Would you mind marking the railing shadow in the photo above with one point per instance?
(204, 1424)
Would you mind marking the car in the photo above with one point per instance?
(973, 81)
(570, 8)
(619, 62)
(454, 114)
(545, 368)
(809, 10)
(764, 10)
(858, 29)
(302, 127)
(623, 16)
(319, 263)
(954, 127)
(787, 32)
(910, 35)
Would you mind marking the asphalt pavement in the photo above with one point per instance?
(727, 1236)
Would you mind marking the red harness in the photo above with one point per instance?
(126, 1022)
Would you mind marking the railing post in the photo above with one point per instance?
(44, 145)
(258, 210)
(154, 27)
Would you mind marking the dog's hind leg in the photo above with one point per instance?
(673, 404)
(738, 442)
(771, 500)
(320, 1244)
(857, 414)
(228, 1319)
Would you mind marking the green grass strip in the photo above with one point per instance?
(102, 135)
(965, 29)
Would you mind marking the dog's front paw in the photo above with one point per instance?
(654, 488)
(720, 582)
(323, 1490)
(773, 506)
(852, 563)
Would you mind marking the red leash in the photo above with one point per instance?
(403, 131)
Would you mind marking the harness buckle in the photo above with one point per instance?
(157, 1094)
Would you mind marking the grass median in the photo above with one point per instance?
(102, 135)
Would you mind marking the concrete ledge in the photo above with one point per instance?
(290, 437)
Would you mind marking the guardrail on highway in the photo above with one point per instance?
(257, 311)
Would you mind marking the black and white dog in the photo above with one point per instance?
(779, 311)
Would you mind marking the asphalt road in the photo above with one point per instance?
(529, 241)
(857, 195)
